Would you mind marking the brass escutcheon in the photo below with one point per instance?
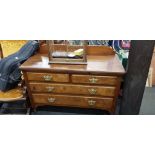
(93, 80)
(47, 77)
(91, 102)
(51, 100)
(92, 91)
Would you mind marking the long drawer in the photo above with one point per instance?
(91, 79)
(73, 89)
(73, 101)
(48, 77)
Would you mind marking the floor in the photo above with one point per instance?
(148, 103)
(147, 108)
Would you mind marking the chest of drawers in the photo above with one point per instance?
(95, 85)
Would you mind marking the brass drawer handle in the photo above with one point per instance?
(47, 78)
(93, 80)
(92, 91)
(91, 102)
(51, 100)
(50, 89)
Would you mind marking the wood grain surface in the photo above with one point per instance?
(73, 89)
(110, 65)
(73, 101)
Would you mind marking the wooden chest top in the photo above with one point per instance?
(109, 64)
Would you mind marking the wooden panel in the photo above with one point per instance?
(73, 89)
(48, 77)
(91, 50)
(90, 79)
(43, 48)
(99, 50)
(108, 65)
(73, 101)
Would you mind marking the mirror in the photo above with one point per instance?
(67, 51)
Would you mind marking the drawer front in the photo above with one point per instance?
(89, 79)
(48, 77)
(73, 89)
(74, 101)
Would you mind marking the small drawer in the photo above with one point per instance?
(73, 101)
(107, 91)
(48, 77)
(90, 79)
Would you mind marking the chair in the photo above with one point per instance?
(11, 97)
(11, 46)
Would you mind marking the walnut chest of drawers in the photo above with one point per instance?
(95, 85)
